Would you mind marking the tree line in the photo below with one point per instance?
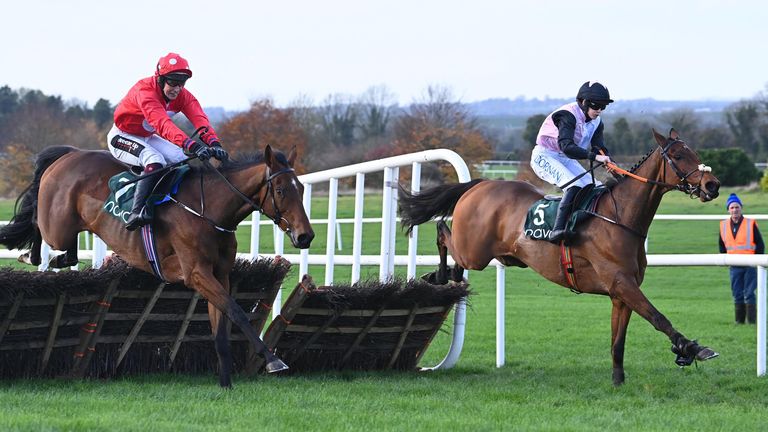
(342, 129)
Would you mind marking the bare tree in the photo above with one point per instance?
(376, 106)
(440, 121)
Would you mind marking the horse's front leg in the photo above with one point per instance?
(628, 291)
(209, 287)
(221, 342)
(67, 259)
(619, 321)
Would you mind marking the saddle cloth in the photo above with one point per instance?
(541, 215)
(120, 199)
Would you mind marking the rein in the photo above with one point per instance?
(256, 206)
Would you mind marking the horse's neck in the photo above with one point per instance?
(250, 182)
(637, 202)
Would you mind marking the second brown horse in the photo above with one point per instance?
(608, 258)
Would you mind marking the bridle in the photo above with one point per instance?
(683, 184)
(277, 218)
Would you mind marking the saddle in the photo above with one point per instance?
(120, 199)
(541, 215)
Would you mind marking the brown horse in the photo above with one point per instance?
(608, 257)
(70, 188)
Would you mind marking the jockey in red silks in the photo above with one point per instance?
(573, 131)
(144, 134)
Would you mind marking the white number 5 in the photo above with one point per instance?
(539, 214)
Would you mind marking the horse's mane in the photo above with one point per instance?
(249, 159)
(242, 161)
(643, 159)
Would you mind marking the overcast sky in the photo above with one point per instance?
(241, 51)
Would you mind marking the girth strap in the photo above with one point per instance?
(148, 239)
(566, 259)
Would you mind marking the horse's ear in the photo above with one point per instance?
(292, 156)
(673, 134)
(268, 157)
(660, 139)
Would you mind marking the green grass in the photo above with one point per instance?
(557, 376)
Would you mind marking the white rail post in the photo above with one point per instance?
(393, 219)
(304, 260)
(386, 226)
(413, 240)
(279, 242)
(457, 343)
(357, 237)
(255, 234)
(333, 192)
(99, 252)
(761, 315)
(500, 318)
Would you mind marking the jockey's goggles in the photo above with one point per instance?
(596, 105)
(174, 83)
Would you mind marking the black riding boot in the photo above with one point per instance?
(741, 312)
(563, 213)
(139, 216)
(751, 314)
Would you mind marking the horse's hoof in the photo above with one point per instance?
(706, 354)
(60, 262)
(24, 259)
(618, 377)
(276, 365)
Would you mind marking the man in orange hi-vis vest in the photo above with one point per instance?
(740, 235)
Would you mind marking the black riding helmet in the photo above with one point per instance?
(595, 92)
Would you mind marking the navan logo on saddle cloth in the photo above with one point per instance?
(541, 215)
(120, 199)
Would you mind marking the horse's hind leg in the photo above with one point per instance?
(34, 252)
(442, 251)
(33, 256)
(619, 321)
(444, 246)
(221, 342)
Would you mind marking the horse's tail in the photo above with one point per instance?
(415, 209)
(20, 232)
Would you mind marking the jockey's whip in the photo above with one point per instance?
(591, 169)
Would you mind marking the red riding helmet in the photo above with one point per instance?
(173, 63)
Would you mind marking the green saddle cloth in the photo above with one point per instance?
(541, 215)
(120, 200)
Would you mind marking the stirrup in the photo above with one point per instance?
(136, 221)
(556, 237)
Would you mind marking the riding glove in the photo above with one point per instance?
(218, 151)
(202, 151)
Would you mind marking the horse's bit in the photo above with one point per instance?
(683, 185)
